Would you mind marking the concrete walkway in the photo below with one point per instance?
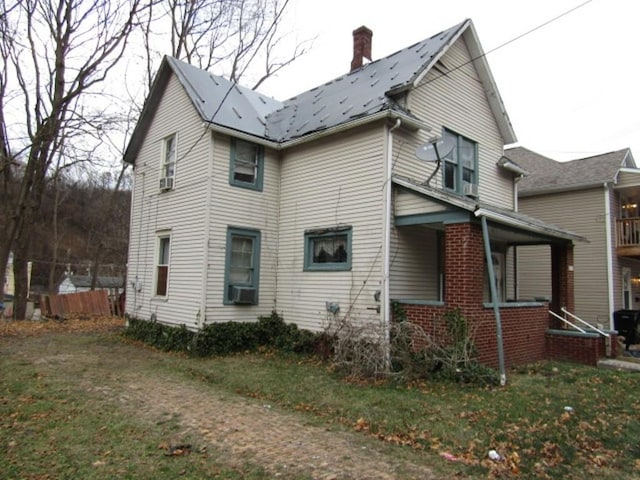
(618, 364)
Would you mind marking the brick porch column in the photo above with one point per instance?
(562, 279)
(464, 265)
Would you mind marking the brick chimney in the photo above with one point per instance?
(361, 46)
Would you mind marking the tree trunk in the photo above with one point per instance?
(21, 276)
(55, 240)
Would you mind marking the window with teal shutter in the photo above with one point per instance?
(242, 271)
(246, 165)
(461, 164)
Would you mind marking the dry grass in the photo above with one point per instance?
(76, 323)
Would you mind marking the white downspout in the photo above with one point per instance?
(609, 246)
(385, 311)
(201, 316)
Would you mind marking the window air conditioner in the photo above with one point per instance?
(470, 189)
(166, 183)
(244, 295)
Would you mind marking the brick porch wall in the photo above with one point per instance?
(523, 331)
(576, 348)
(523, 328)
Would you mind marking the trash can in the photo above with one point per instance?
(626, 323)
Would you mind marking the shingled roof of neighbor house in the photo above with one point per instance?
(547, 175)
(364, 92)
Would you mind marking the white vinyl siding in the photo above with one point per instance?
(332, 182)
(581, 212)
(184, 212)
(457, 102)
(408, 203)
(247, 209)
(415, 270)
(181, 210)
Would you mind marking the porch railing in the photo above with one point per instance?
(586, 324)
(628, 232)
(607, 337)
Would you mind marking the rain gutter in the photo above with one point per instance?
(407, 120)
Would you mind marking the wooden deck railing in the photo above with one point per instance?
(628, 232)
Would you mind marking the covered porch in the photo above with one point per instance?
(453, 252)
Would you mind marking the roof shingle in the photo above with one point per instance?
(548, 175)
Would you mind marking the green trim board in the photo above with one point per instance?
(242, 259)
(246, 164)
(328, 249)
(448, 217)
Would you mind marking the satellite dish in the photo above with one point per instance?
(435, 150)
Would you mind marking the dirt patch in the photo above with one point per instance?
(243, 430)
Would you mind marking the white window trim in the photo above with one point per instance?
(156, 263)
(164, 163)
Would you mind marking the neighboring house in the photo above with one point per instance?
(599, 198)
(318, 207)
(82, 283)
(9, 279)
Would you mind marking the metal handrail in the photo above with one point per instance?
(567, 321)
(567, 312)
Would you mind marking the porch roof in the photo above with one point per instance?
(507, 225)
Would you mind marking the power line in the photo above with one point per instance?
(508, 42)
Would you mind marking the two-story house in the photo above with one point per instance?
(598, 197)
(335, 203)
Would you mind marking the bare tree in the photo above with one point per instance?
(230, 35)
(55, 55)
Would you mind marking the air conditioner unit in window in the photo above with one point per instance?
(470, 189)
(244, 295)
(166, 183)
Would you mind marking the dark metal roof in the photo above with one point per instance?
(357, 94)
(369, 91)
(222, 102)
(547, 175)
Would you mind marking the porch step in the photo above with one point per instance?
(615, 364)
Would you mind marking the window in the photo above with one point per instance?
(498, 259)
(162, 268)
(328, 249)
(242, 270)
(168, 163)
(460, 165)
(247, 162)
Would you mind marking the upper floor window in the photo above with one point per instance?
(162, 265)
(460, 164)
(168, 172)
(242, 266)
(328, 249)
(247, 164)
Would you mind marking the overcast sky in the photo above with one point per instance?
(571, 88)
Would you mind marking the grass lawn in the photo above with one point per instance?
(556, 421)
(551, 421)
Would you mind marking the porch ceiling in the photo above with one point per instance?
(504, 225)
